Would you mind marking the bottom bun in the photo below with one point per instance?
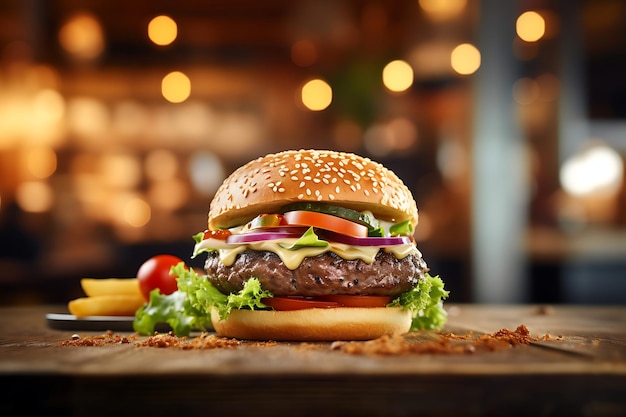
(316, 324)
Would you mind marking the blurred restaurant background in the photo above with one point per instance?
(506, 119)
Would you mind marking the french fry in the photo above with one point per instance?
(106, 305)
(110, 286)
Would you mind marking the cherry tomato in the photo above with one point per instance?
(155, 273)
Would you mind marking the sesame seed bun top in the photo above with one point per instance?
(266, 184)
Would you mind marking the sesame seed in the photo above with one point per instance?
(308, 191)
(294, 178)
(337, 189)
(281, 190)
(302, 184)
(331, 197)
(300, 196)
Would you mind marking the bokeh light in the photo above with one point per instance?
(397, 135)
(465, 59)
(206, 172)
(136, 212)
(162, 30)
(120, 170)
(48, 106)
(440, 10)
(88, 119)
(398, 76)
(34, 196)
(160, 165)
(530, 26)
(169, 194)
(176, 87)
(316, 95)
(82, 36)
(595, 169)
(41, 162)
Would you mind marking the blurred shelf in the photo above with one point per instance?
(598, 244)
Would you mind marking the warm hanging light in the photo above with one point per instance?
(162, 30)
(398, 76)
(530, 26)
(465, 59)
(176, 87)
(316, 95)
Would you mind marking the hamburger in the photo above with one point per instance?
(307, 245)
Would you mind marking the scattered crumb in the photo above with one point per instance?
(109, 338)
(204, 341)
(412, 343)
(448, 343)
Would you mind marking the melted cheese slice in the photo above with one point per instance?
(292, 258)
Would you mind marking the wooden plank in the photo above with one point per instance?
(587, 377)
(588, 340)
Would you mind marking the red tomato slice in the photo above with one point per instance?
(325, 221)
(296, 303)
(358, 300)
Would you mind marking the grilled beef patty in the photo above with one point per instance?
(324, 274)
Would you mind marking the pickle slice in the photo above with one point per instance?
(369, 221)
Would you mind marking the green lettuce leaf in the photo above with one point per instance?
(425, 301)
(189, 308)
(308, 239)
(197, 250)
(172, 309)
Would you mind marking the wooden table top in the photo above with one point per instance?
(575, 364)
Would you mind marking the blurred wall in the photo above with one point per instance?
(118, 123)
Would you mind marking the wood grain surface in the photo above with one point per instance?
(575, 365)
